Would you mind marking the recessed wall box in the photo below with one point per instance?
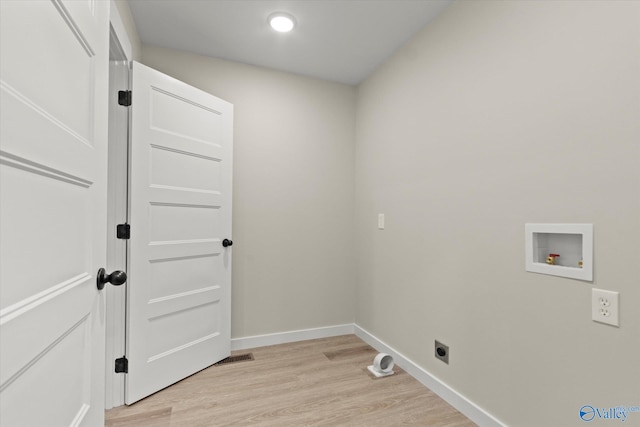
(560, 250)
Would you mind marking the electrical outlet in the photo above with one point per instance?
(605, 306)
(442, 352)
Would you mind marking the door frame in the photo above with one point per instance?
(119, 79)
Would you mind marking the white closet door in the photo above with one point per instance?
(53, 168)
(179, 289)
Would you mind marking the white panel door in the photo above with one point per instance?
(53, 166)
(179, 288)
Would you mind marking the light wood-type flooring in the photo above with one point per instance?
(323, 382)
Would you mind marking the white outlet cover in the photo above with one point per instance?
(605, 307)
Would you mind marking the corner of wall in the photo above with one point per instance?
(130, 25)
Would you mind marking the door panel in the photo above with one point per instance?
(179, 274)
(53, 83)
(26, 188)
(68, 100)
(38, 376)
(181, 170)
(202, 268)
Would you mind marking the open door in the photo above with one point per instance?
(179, 288)
(53, 168)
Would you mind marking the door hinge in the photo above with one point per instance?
(122, 365)
(123, 231)
(124, 98)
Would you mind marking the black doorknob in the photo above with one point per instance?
(227, 242)
(116, 278)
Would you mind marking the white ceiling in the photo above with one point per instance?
(338, 40)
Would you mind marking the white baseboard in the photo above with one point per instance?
(291, 336)
(455, 399)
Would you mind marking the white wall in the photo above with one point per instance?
(498, 114)
(130, 26)
(293, 192)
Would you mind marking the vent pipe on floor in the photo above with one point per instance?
(382, 365)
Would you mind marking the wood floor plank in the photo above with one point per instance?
(156, 418)
(321, 382)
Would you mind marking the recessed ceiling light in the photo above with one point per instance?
(282, 22)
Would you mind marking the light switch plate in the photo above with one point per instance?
(381, 221)
(605, 307)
